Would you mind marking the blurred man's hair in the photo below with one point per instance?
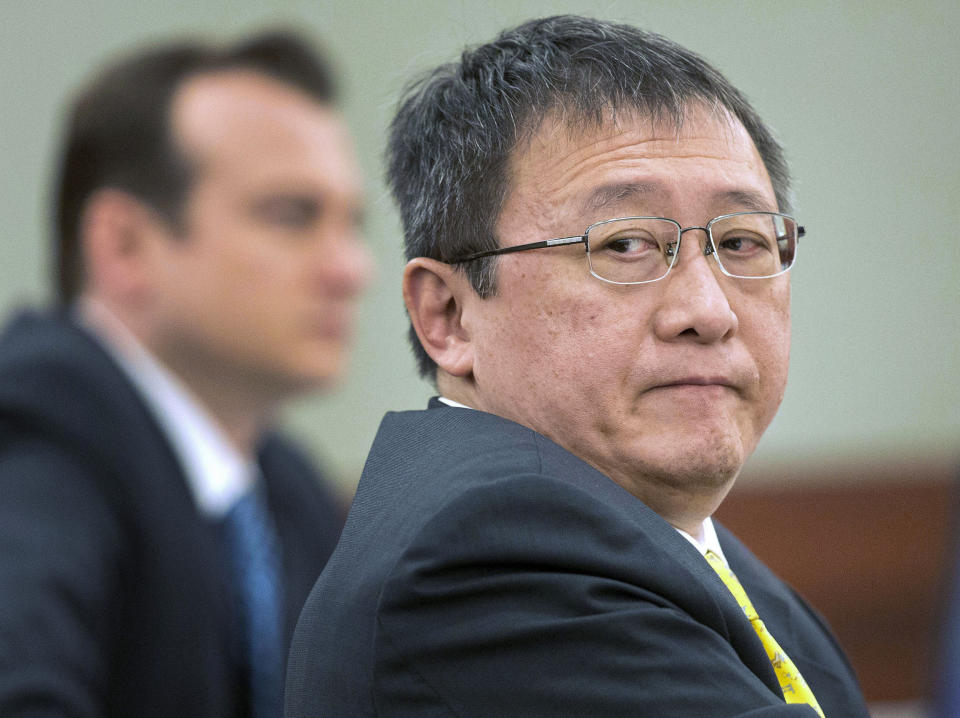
(451, 141)
(118, 132)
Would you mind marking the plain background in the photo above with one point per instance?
(865, 97)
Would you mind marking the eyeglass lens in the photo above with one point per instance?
(642, 249)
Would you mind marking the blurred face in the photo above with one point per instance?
(664, 387)
(260, 289)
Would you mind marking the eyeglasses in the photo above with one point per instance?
(638, 250)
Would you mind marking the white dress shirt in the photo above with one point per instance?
(217, 473)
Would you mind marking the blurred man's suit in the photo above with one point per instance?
(143, 572)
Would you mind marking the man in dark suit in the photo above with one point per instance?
(157, 539)
(598, 280)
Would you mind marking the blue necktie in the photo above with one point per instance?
(255, 559)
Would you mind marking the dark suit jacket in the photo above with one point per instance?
(114, 594)
(485, 571)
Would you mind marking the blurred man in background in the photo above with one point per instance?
(157, 539)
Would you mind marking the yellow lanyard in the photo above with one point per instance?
(794, 687)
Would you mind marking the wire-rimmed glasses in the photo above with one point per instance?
(638, 250)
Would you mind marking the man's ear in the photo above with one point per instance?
(115, 233)
(434, 294)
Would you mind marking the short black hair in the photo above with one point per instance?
(118, 131)
(457, 127)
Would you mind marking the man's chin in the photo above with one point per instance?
(692, 470)
(702, 473)
(291, 381)
(324, 379)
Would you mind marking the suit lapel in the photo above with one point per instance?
(691, 565)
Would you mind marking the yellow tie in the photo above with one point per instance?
(794, 687)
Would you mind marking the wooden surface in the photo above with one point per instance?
(868, 547)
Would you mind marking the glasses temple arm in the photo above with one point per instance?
(517, 248)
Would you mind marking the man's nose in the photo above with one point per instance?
(694, 302)
(346, 265)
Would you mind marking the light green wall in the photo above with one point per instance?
(865, 96)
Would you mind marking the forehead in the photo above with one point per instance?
(239, 121)
(633, 163)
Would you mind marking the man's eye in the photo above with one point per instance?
(630, 245)
(288, 212)
(742, 245)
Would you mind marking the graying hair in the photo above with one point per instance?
(457, 126)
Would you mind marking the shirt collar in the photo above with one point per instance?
(216, 472)
(451, 402)
(710, 540)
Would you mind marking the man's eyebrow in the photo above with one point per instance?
(612, 194)
(301, 199)
(737, 199)
(729, 200)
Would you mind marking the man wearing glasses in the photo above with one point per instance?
(599, 239)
